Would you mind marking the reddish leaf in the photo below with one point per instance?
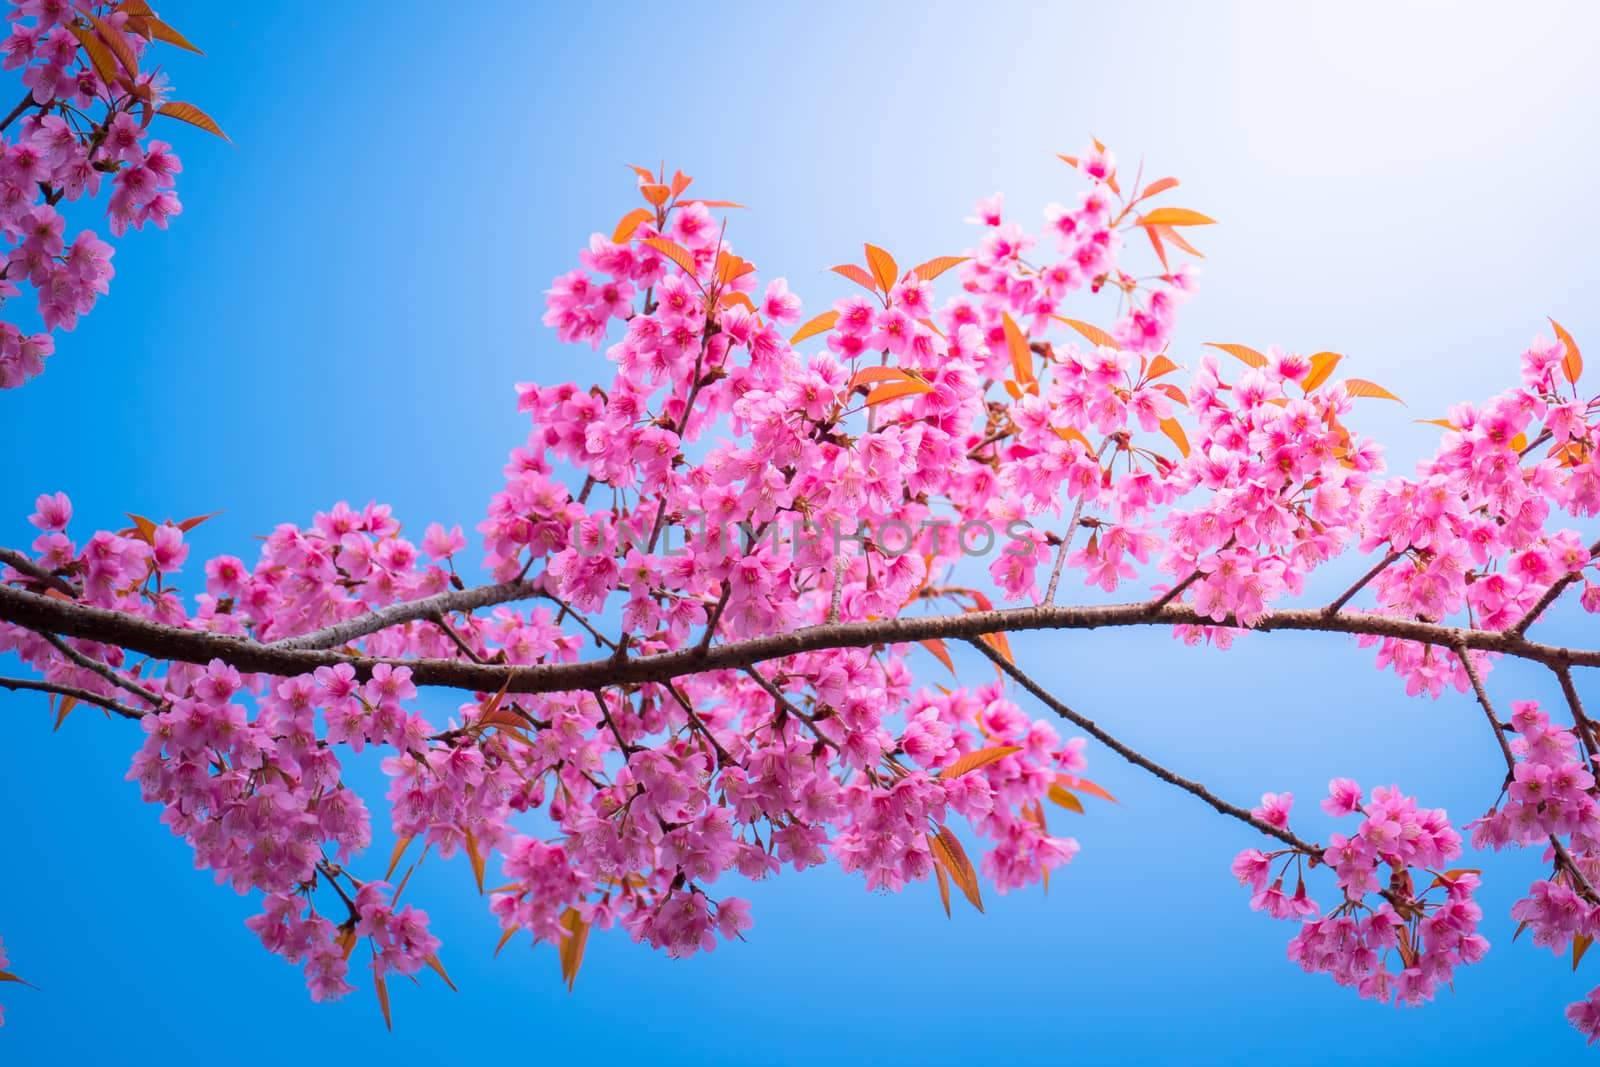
(871, 375)
(1066, 799)
(193, 116)
(163, 32)
(1083, 785)
(947, 847)
(1572, 362)
(1172, 236)
(973, 761)
(100, 57)
(1067, 433)
(1580, 945)
(1322, 365)
(937, 647)
(1175, 216)
(882, 264)
(572, 945)
(475, 857)
(432, 960)
(1157, 187)
(1357, 387)
(381, 987)
(821, 324)
(1093, 334)
(1241, 352)
(506, 937)
(938, 873)
(629, 223)
(675, 252)
(1175, 433)
(400, 847)
(1071, 161)
(680, 182)
(712, 203)
(1159, 366)
(116, 42)
(896, 390)
(855, 274)
(934, 267)
(1021, 354)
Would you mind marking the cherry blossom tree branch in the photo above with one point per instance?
(342, 633)
(23, 565)
(83, 695)
(1550, 595)
(1188, 785)
(104, 671)
(1377, 569)
(162, 641)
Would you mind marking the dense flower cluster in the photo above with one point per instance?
(646, 515)
(83, 128)
(1396, 846)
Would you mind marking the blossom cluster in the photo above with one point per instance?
(637, 804)
(1425, 936)
(83, 128)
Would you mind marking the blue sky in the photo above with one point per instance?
(354, 286)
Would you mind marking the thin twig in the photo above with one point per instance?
(1188, 785)
(1345, 597)
(1556, 589)
(18, 684)
(104, 671)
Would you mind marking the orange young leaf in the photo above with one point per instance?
(163, 32)
(572, 945)
(381, 987)
(1361, 387)
(1067, 433)
(475, 857)
(432, 960)
(116, 42)
(947, 846)
(7, 976)
(727, 300)
(1322, 365)
(821, 324)
(675, 252)
(712, 203)
(1083, 785)
(1174, 393)
(973, 761)
(188, 524)
(1580, 945)
(855, 274)
(1572, 362)
(1172, 236)
(1175, 433)
(67, 704)
(1174, 216)
(505, 938)
(882, 264)
(1017, 345)
(934, 267)
(1159, 366)
(1157, 187)
(1066, 799)
(105, 65)
(631, 222)
(146, 528)
(895, 390)
(400, 847)
(1093, 334)
(1240, 352)
(1001, 644)
(1071, 161)
(1154, 233)
(937, 647)
(680, 182)
(944, 879)
(193, 116)
(868, 375)
(654, 193)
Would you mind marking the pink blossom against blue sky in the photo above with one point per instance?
(353, 287)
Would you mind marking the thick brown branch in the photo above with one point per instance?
(342, 633)
(1188, 785)
(39, 613)
(23, 565)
